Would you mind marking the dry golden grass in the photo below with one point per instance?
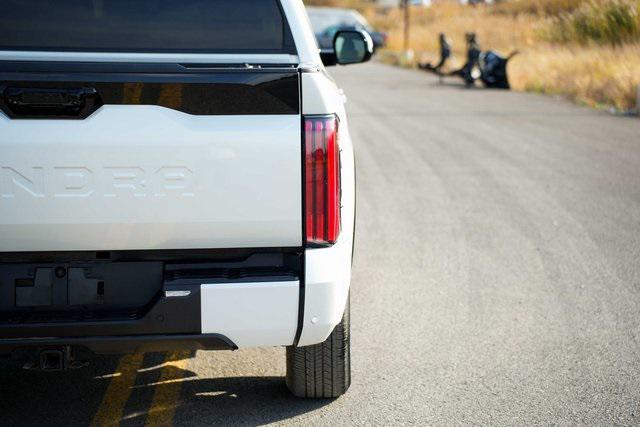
(597, 75)
(493, 30)
(538, 7)
(357, 4)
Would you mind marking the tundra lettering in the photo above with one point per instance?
(80, 181)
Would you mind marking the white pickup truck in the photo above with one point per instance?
(175, 174)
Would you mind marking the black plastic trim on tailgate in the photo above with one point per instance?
(193, 90)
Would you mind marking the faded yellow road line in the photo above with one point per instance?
(167, 390)
(115, 398)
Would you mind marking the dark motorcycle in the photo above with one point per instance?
(489, 67)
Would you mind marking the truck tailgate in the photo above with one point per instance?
(143, 175)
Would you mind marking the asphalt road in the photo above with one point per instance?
(497, 280)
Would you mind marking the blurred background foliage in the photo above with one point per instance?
(587, 50)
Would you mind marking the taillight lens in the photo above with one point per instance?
(322, 180)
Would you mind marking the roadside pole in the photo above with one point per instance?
(408, 53)
(407, 23)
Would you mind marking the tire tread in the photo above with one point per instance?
(322, 370)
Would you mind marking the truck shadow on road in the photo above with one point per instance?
(157, 393)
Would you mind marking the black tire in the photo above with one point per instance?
(323, 370)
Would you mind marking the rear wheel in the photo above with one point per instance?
(322, 370)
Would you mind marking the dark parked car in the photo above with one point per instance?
(327, 21)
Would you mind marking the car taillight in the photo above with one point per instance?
(322, 180)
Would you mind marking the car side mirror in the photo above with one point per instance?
(349, 47)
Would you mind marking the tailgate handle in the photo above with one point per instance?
(24, 102)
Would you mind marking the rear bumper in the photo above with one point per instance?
(216, 316)
(122, 302)
(216, 305)
(124, 344)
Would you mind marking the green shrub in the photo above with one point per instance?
(600, 21)
(538, 7)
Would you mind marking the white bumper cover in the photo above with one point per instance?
(263, 314)
(251, 314)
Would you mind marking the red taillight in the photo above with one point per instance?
(322, 179)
